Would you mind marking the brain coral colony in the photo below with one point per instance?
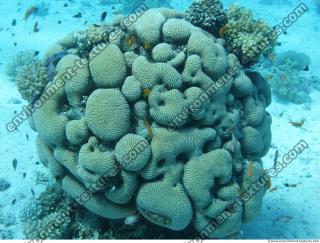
(155, 119)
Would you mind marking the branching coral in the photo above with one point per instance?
(32, 79)
(19, 61)
(40, 216)
(166, 128)
(287, 79)
(30, 74)
(89, 38)
(245, 36)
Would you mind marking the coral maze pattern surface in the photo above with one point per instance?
(129, 94)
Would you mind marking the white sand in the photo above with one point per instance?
(301, 203)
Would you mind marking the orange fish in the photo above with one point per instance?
(269, 77)
(250, 168)
(149, 128)
(30, 11)
(297, 124)
(273, 189)
(268, 184)
(147, 45)
(223, 30)
(130, 40)
(146, 92)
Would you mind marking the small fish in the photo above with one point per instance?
(24, 174)
(306, 68)
(30, 11)
(37, 163)
(281, 114)
(130, 40)
(35, 27)
(85, 22)
(36, 53)
(14, 201)
(147, 46)
(275, 158)
(273, 189)
(268, 184)
(269, 77)
(250, 173)
(65, 5)
(284, 219)
(146, 92)
(290, 185)
(297, 124)
(14, 22)
(96, 25)
(149, 128)
(15, 44)
(14, 164)
(59, 22)
(32, 191)
(223, 30)
(103, 16)
(78, 15)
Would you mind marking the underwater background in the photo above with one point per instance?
(29, 195)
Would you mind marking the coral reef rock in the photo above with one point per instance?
(247, 37)
(32, 79)
(20, 60)
(162, 121)
(207, 14)
(289, 78)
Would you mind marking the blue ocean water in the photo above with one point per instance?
(30, 195)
